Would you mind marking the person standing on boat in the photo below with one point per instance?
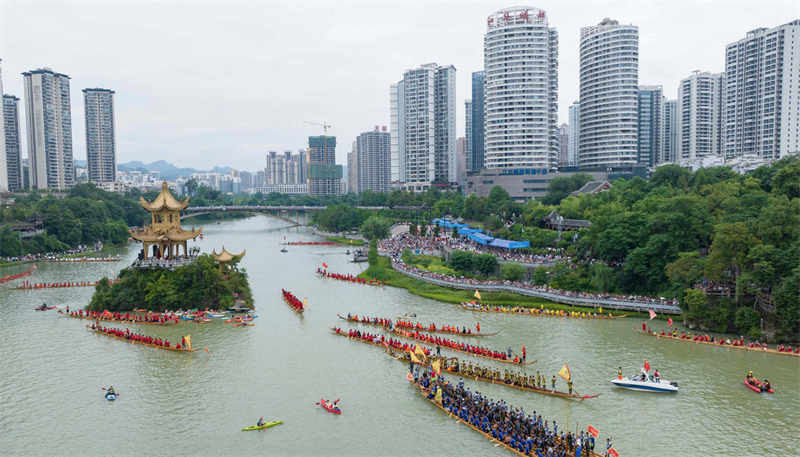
(619, 373)
(569, 384)
(655, 377)
(553, 381)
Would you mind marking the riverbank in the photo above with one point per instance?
(70, 256)
(384, 272)
(343, 240)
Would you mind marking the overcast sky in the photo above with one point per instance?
(214, 83)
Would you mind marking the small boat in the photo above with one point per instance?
(243, 324)
(756, 386)
(261, 427)
(329, 408)
(111, 397)
(347, 253)
(406, 316)
(634, 382)
(45, 308)
(140, 310)
(284, 250)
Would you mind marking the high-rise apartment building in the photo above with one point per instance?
(670, 146)
(609, 82)
(700, 102)
(13, 159)
(467, 136)
(48, 121)
(650, 101)
(352, 170)
(520, 58)
(762, 94)
(563, 145)
(324, 176)
(574, 133)
(477, 144)
(373, 152)
(461, 160)
(101, 142)
(286, 168)
(4, 184)
(423, 117)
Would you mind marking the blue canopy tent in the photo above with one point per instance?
(444, 223)
(480, 238)
(467, 231)
(508, 244)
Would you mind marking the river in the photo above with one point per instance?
(170, 403)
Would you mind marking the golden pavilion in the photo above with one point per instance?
(165, 234)
(225, 257)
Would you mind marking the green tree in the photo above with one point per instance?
(512, 271)
(602, 277)
(455, 232)
(786, 299)
(413, 229)
(462, 261)
(436, 230)
(423, 229)
(694, 304)
(191, 186)
(540, 276)
(685, 271)
(787, 181)
(10, 244)
(670, 175)
(372, 256)
(485, 263)
(375, 228)
(498, 198)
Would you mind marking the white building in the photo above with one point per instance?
(352, 170)
(574, 133)
(423, 137)
(4, 184)
(49, 127)
(101, 138)
(289, 189)
(287, 168)
(373, 161)
(13, 149)
(563, 145)
(609, 81)
(700, 103)
(520, 59)
(762, 106)
(669, 132)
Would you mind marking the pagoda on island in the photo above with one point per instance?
(224, 258)
(164, 234)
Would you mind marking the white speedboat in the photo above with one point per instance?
(648, 384)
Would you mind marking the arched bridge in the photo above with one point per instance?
(278, 212)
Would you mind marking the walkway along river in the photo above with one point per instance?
(170, 403)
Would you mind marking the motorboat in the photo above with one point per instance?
(645, 383)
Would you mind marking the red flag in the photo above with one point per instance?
(324, 264)
(613, 452)
(669, 322)
(646, 366)
(652, 314)
(593, 431)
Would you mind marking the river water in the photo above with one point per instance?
(53, 370)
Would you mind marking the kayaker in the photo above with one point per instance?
(111, 391)
(260, 422)
(336, 406)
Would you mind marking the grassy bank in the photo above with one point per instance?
(384, 272)
(343, 240)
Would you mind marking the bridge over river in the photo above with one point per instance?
(283, 213)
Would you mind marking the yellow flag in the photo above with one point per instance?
(437, 367)
(601, 310)
(188, 341)
(414, 358)
(564, 372)
(477, 294)
(418, 350)
(438, 396)
(305, 303)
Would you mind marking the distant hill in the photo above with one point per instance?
(167, 170)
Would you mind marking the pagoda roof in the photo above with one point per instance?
(224, 256)
(173, 234)
(165, 200)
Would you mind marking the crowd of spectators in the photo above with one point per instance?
(394, 248)
(52, 255)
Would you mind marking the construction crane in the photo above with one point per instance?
(324, 125)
